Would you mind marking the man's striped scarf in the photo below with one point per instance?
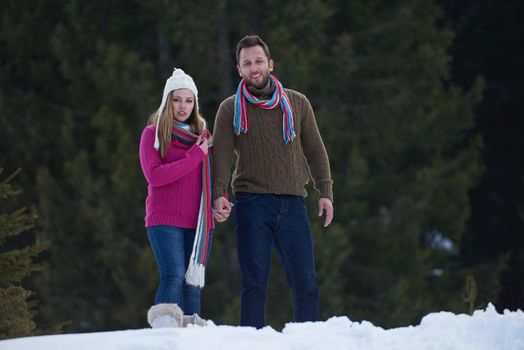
(196, 270)
(241, 121)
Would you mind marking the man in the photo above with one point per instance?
(274, 134)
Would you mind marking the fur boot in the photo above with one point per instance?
(165, 315)
(193, 319)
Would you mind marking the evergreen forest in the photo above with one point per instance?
(417, 104)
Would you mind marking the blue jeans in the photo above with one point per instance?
(172, 247)
(263, 221)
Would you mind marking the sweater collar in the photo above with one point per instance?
(265, 93)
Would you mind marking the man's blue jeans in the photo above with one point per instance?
(172, 247)
(263, 221)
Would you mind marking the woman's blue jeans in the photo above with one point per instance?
(172, 247)
(263, 221)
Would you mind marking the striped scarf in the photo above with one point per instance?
(197, 263)
(241, 121)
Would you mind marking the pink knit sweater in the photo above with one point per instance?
(175, 182)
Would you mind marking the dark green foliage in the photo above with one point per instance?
(489, 43)
(78, 79)
(17, 261)
(17, 316)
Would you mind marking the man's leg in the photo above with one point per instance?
(253, 226)
(294, 245)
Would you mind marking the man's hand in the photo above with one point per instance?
(324, 204)
(222, 208)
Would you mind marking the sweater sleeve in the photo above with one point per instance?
(158, 174)
(223, 147)
(315, 152)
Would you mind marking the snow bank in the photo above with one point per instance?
(485, 329)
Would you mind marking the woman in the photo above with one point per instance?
(175, 159)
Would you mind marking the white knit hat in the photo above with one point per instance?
(179, 80)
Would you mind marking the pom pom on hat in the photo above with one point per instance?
(178, 80)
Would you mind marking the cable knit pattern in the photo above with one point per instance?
(175, 183)
(264, 163)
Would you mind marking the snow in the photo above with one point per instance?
(485, 329)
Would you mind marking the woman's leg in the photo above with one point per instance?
(191, 294)
(167, 243)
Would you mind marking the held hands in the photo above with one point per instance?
(222, 208)
(324, 204)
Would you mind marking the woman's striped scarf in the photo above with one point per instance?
(241, 121)
(197, 263)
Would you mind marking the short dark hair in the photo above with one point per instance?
(250, 41)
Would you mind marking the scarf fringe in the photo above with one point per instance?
(195, 274)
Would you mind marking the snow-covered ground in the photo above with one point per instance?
(485, 329)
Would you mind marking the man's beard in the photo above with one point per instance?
(260, 85)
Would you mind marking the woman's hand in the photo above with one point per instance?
(203, 144)
(222, 208)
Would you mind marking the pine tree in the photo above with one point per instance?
(17, 261)
(404, 160)
(75, 92)
(80, 95)
(494, 231)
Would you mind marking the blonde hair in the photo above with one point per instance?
(197, 122)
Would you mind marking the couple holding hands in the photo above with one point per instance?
(273, 132)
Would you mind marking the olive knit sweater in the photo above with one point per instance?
(264, 163)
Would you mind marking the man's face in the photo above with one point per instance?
(254, 66)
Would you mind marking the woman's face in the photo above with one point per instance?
(183, 103)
